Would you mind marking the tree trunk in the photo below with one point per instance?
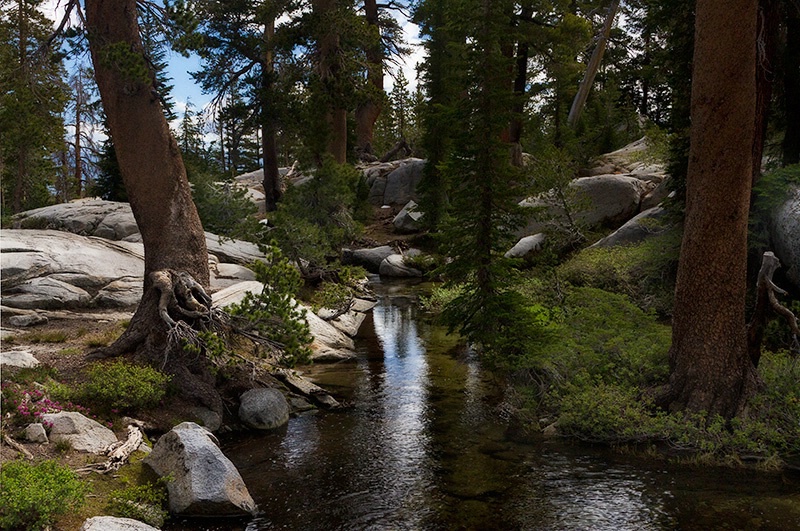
(22, 152)
(272, 178)
(368, 111)
(79, 102)
(520, 82)
(791, 86)
(710, 369)
(767, 34)
(330, 70)
(156, 184)
(593, 66)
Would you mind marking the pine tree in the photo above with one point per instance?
(32, 100)
(442, 75)
(482, 181)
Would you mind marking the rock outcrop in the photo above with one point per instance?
(204, 481)
(408, 219)
(649, 223)
(369, 259)
(394, 266)
(395, 183)
(53, 270)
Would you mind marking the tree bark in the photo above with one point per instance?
(766, 47)
(272, 178)
(330, 70)
(710, 369)
(520, 82)
(594, 65)
(791, 86)
(368, 111)
(155, 180)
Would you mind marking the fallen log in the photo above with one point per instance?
(17, 446)
(306, 388)
(118, 453)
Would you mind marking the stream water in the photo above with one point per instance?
(425, 445)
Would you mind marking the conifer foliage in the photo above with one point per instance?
(482, 181)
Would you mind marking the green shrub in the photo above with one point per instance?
(609, 413)
(439, 297)
(123, 386)
(645, 272)
(344, 284)
(608, 336)
(224, 208)
(140, 502)
(33, 496)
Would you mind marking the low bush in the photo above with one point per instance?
(124, 387)
(645, 272)
(33, 496)
(140, 502)
(23, 404)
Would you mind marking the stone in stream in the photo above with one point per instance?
(204, 481)
(263, 408)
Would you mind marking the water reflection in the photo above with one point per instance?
(424, 447)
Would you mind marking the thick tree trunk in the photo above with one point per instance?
(330, 70)
(368, 111)
(710, 366)
(156, 184)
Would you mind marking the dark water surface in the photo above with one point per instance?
(425, 446)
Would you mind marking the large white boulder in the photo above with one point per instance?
(88, 217)
(81, 432)
(608, 200)
(48, 269)
(204, 481)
